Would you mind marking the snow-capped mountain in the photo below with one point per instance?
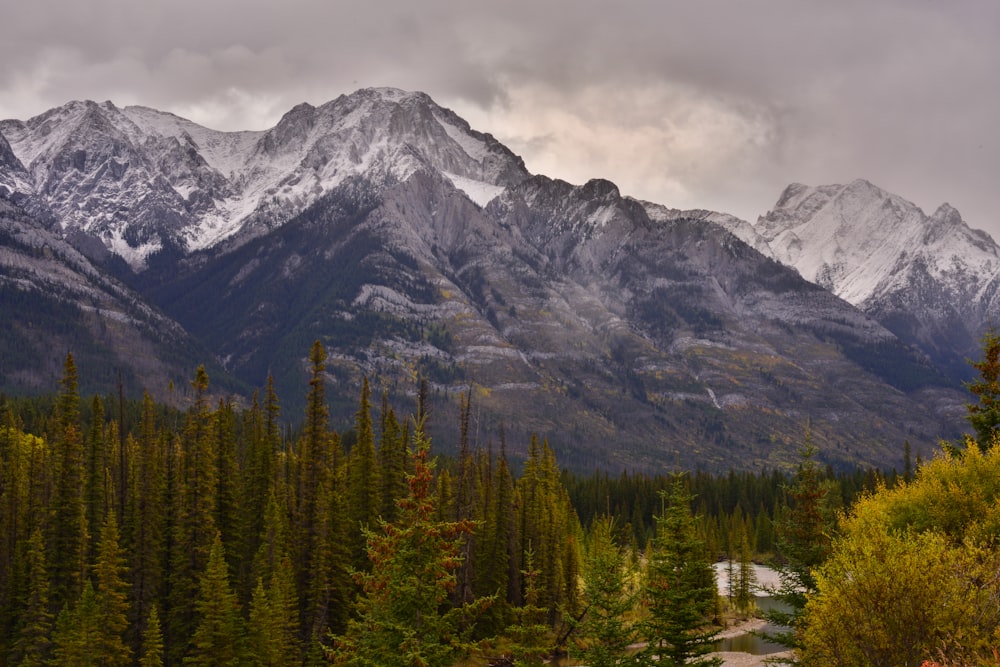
(143, 181)
(628, 333)
(930, 278)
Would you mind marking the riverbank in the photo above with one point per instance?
(738, 659)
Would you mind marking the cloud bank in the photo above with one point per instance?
(706, 104)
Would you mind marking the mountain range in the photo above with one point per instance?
(629, 334)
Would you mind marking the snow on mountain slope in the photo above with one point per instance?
(741, 229)
(930, 279)
(859, 241)
(142, 180)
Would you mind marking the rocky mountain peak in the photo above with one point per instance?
(931, 279)
(142, 181)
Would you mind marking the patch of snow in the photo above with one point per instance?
(136, 257)
(478, 191)
(711, 394)
(601, 217)
(226, 152)
(473, 147)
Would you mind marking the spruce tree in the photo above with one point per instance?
(393, 464)
(679, 588)
(96, 465)
(195, 525)
(68, 529)
(32, 642)
(144, 526)
(151, 652)
(363, 487)
(76, 638)
(228, 518)
(273, 628)
(803, 541)
(400, 621)
(219, 634)
(609, 600)
(321, 553)
(984, 415)
(111, 596)
(530, 634)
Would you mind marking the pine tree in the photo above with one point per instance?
(609, 600)
(218, 637)
(76, 638)
(195, 526)
(984, 416)
(32, 642)
(68, 537)
(803, 541)
(393, 464)
(151, 652)
(400, 620)
(111, 596)
(363, 497)
(679, 588)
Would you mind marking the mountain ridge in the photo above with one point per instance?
(413, 246)
(931, 279)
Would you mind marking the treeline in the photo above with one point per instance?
(727, 505)
(212, 536)
(133, 533)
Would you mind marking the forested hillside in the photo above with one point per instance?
(135, 533)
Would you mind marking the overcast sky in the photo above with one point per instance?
(694, 104)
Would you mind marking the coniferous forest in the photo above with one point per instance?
(135, 533)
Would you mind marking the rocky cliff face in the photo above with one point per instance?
(931, 279)
(143, 181)
(629, 334)
(55, 301)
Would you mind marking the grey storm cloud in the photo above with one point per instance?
(708, 103)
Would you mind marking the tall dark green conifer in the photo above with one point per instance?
(228, 517)
(363, 486)
(195, 527)
(68, 529)
(144, 526)
(111, 596)
(75, 640)
(680, 589)
(803, 541)
(32, 641)
(610, 597)
(95, 492)
(984, 415)
(321, 555)
(219, 634)
(393, 463)
(151, 652)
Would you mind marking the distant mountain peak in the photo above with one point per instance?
(930, 277)
(142, 180)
